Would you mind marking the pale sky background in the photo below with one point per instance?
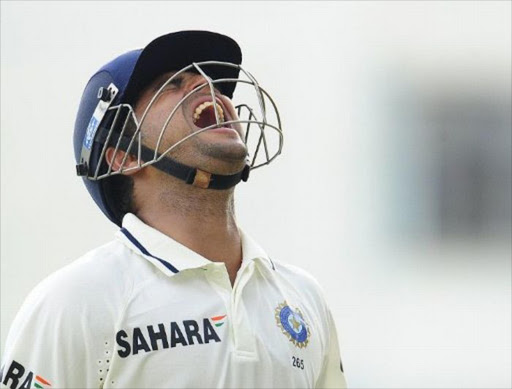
(360, 87)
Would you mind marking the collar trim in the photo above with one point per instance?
(143, 250)
(159, 248)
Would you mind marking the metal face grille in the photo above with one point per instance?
(257, 116)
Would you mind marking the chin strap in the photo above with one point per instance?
(191, 175)
(194, 176)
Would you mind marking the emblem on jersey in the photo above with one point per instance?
(292, 324)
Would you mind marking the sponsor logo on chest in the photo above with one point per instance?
(163, 336)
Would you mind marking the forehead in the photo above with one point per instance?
(158, 82)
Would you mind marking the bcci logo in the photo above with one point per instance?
(292, 324)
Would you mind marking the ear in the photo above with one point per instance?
(116, 161)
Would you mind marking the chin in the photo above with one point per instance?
(229, 152)
(223, 159)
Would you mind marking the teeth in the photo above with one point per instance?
(201, 107)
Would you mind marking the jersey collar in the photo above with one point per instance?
(170, 256)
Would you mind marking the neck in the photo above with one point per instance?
(201, 219)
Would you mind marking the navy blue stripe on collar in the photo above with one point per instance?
(146, 252)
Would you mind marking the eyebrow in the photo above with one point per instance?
(159, 81)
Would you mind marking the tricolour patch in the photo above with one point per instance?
(292, 324)
(40, 382)
(218, 320)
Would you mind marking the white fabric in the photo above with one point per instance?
(119, 318)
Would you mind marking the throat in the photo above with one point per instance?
(203, 220)
(207, 227)
(214, 239)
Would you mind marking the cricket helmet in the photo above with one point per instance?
(106, 115)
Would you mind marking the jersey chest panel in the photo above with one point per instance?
(169, 337)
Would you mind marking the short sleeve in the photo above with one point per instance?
(332, 375)
(59, 338)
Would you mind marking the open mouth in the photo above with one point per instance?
(204, 115)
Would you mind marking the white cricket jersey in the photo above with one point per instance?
(145, 311)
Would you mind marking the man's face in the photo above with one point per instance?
(218, 150)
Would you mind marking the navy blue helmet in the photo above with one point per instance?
(106, 109)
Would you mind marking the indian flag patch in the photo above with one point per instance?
(40, 382)
(218, 320)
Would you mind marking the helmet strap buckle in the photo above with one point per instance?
(202, 179)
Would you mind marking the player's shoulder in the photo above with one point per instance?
(295, 272)
(300, 280)
(296, 276)
(88, 294)
(104, 273)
